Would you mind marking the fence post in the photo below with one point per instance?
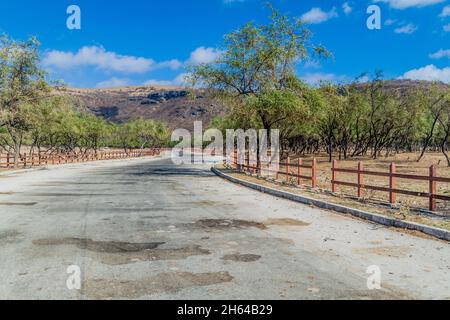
(314, 173)
(7, 160)
(277, 175)
(392, 183)
(432, 206)
(248, 160)
(360, 179)
(333, 176)
(260, 166)
(288, 169)
(25, 160)
(299, 171)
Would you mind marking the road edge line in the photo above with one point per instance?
(373, 217)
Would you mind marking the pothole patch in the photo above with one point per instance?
(288, 222)
(224, 224)
(120, 253)
(99, 246)
(237, 257)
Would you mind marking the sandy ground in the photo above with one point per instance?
(147, 229)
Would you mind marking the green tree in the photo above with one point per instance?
(22, 86)
(255, 73)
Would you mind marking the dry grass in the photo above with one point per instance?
(406, 164)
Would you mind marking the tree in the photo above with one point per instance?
(22, 86)
(255, 73)
(444, 131)
(434, 102)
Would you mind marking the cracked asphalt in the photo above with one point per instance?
(148, 229)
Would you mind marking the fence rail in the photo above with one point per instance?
(360, 185)
(265, 167)
(392, 175)
(26, 160)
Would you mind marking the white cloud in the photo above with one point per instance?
(173, 64)
(114, 82)
(404, 4)
(447, 27)
(98, 57)
(204, 55)
(347, 8)
(180, 80)
(445, 12)
(440, 54)
(429, 73)
(406, 29)
(317, 15)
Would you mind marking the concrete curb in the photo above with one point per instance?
(377, 218)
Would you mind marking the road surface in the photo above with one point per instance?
(147, 229)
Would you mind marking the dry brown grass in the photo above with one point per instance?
(406, 164)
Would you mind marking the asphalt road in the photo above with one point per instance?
(147, 229)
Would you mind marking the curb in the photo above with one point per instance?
(377, 218)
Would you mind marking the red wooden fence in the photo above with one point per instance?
(392, 175)
(360, 173)
(33, 160)
(264, 167)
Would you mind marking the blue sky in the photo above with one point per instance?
(138, 42)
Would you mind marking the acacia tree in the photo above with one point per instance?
(22, 86)
(255, 73)
(444, 132)
(434, 100)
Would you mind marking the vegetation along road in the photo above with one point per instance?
(148, 229)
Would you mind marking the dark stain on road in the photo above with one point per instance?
(387, 251)
(154, 255)
(237, 257)
(18, 204)
(55, 194)
(9, 236)
(224, 224)
(163, 282)
(119, 253)
(286, 222)
(70, 183)
(100, 246)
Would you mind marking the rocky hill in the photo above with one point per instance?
(175, 106)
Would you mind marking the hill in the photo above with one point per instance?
(175, 106)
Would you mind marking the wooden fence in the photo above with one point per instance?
(360, 173)
(39, 159)
(264, 168)
(392, 176)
